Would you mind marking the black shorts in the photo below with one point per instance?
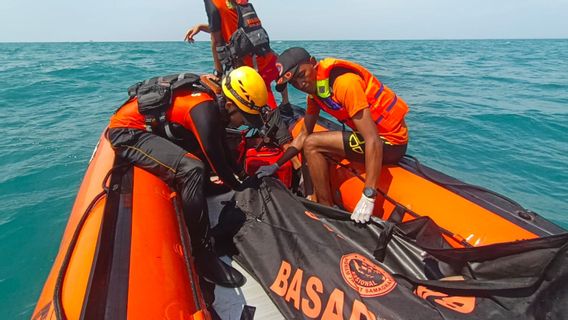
(354, 146)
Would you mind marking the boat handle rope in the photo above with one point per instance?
(58, 291)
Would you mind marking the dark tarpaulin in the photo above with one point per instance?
(314, 262)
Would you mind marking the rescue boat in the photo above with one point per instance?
(125, 252)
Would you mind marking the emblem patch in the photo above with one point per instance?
(365, 277)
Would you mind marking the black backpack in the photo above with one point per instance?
(250, 37)
(155, 98)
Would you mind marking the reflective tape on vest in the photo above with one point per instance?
(390, 106)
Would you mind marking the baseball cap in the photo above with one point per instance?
(288, 63)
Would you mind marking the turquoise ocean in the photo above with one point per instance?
(489, 112)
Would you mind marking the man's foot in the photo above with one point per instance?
(214, 270)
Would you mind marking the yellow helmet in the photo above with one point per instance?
(246, 88)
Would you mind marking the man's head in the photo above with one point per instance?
(297, 67)
(246, 95)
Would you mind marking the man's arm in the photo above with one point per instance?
(210, 134)
(216, 40)
(214, 19)
(373, 146)
(292, 149)
(297, 144)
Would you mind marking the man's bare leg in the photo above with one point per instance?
(316, 146)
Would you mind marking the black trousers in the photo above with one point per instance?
(179, 169)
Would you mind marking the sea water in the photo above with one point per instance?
(489, 112)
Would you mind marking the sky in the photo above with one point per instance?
(167, 20)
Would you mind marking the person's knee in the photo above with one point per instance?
(190, 168)
(121, 136)
(311, 145)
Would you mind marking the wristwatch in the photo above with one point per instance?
(370, 192)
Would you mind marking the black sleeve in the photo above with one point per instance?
(281, 135)
(210, 133)
(213, 16)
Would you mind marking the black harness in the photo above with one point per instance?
(155, 98)
(249, 39)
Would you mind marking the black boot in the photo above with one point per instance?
(214, 270)
(189, 182)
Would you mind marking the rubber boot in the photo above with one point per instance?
(214, 270)
(189, 180)
(209, 266)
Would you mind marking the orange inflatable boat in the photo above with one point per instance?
(124, 253)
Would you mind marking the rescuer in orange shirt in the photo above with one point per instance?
(238, 38)
(356, 98)
(168, 121)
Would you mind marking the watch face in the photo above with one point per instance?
(370, 192)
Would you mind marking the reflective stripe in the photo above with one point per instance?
(381, 89)
(392, 103)
(332, 104)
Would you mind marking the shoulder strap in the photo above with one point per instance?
(173, 81)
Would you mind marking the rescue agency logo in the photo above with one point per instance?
(367, 278)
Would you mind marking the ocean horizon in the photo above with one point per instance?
(290, 40)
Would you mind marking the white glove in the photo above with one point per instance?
(266, 171)
(363, 210)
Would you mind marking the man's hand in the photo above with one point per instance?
(266, 171)
(363, 210)
(193, 31)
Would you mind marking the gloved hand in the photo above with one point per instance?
(363, 210)
(266, 171)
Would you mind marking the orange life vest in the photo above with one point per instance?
(387, 109)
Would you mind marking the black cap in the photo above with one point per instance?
(288, 63)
